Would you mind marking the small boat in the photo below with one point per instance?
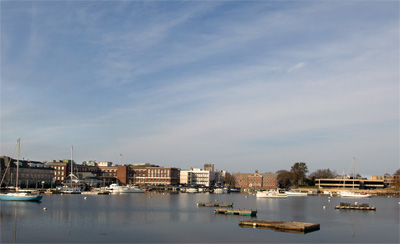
(296, 193)
(234, 190)
(192, 190)
(352, 193)
(71, 190)
(131, 189)
(219, 190)
(19, 195)
(271, 194)
(115, 188)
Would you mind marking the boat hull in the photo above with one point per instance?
(354, 195)
(17, 197)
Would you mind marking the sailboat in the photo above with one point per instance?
(19, 196)
(353, 193)
(70, 189)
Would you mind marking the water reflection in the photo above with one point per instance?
(177, 218)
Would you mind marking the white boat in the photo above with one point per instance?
(352, 193)
(192, 190)
(19, 196)
(71, 190)
(296, 193)
(115, 188)
(271, 194)
(219, 190)
(131, 189)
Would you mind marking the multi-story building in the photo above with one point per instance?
(196, 176)
(349, 183)
(152, 175)
(255, 180)
(30, 173)
(388, 180)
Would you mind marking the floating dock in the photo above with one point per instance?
(356, 206)
(214, 204)
(252, 213)
(294, 227)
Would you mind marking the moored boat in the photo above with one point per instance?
(271, 194)
(19, 195)
(354, 194)
(296, 193)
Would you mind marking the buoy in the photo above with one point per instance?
(324, 207)
(44, 208)
(329, 200)
(149, 197)
(85, 198)
(245, 196)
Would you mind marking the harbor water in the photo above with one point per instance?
(176, 218)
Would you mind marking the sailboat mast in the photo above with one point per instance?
(354, 170)
(72, 158)
(16, 180)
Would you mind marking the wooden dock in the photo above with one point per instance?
(252, 213)
(214, 204)
(356, 206)
(293, 227)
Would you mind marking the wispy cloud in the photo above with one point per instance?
(296, 67)
(255, 85)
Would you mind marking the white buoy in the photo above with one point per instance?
(245, 196)
(324, 207)
(329, 200)
(85, 198)
(44, 208)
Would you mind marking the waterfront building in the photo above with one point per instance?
(255, 180)
(349, 183)
(31, 173)
(153, 175)
(104, 164)
(196, 176)
(388, 180)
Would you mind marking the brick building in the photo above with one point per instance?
(31, 173)
(255, 180)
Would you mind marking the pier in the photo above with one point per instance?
(214, 204)
(356, 206)
(252, 213)
(295, 227)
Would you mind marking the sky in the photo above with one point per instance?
(245, 85)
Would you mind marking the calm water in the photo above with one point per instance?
(175, 218)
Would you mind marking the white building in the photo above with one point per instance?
(196, 176)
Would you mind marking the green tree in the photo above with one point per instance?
(299, 171)
(285, 178)
(323, 174)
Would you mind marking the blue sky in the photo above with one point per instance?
(246, 85)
